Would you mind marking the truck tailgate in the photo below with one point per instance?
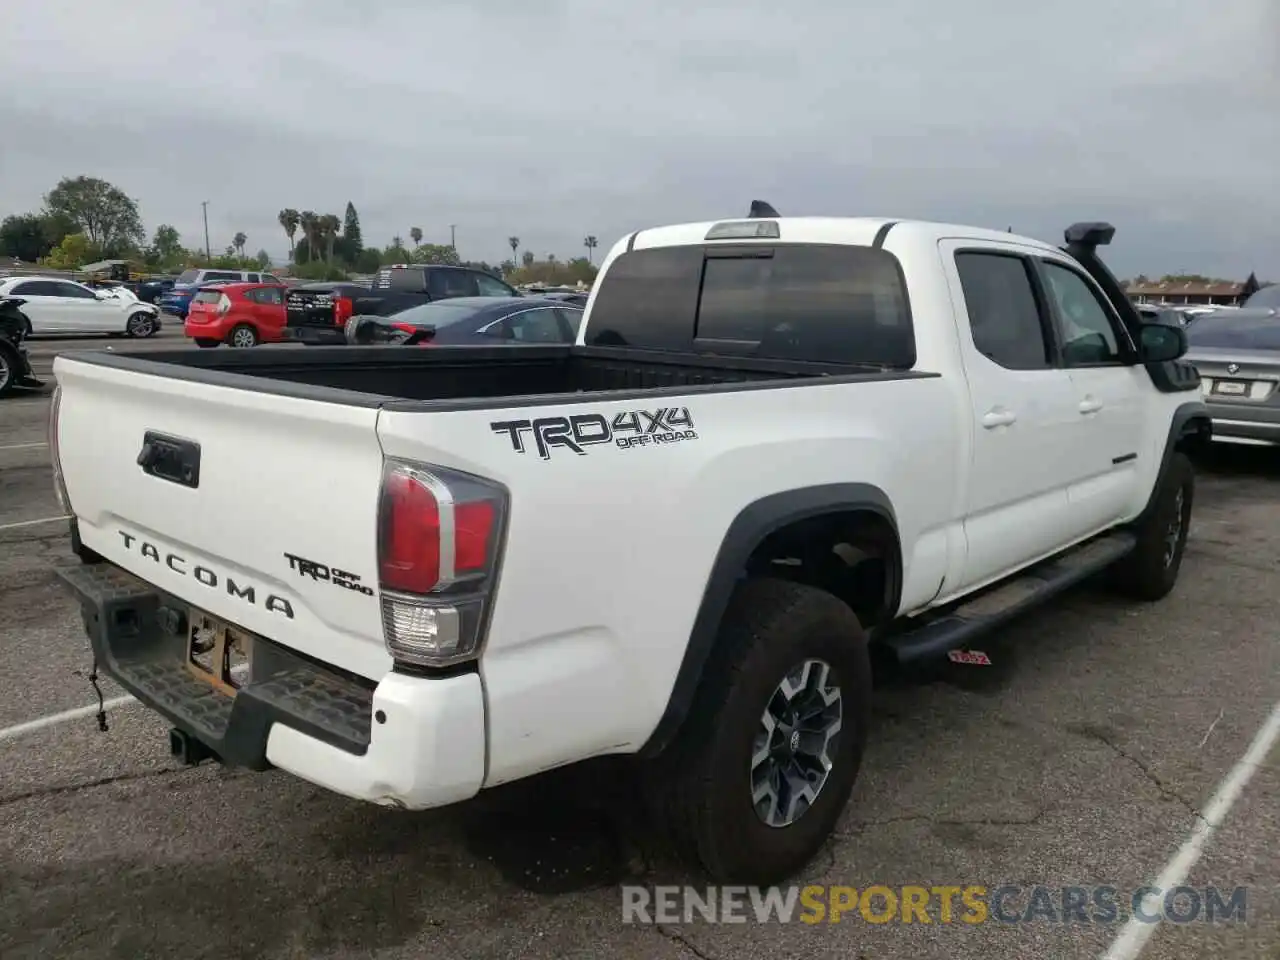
(286, 493)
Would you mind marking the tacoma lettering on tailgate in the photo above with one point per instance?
(632, 428)
(205, 575)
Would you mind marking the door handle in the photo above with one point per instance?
(999, 418)
(1089, 405)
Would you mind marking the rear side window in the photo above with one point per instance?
(444, 284)
(207, 296)
(1004, 315)
(810, 302)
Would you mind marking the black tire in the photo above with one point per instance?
(701, 788)
(140, 321)
(1151, 570)
(10, 364)
(242, 336)
(206, 342)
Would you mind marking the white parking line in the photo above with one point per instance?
(31, 523)
(21, 446)
(1135, 935)
(31, 726)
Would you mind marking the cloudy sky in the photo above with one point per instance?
(553, 119)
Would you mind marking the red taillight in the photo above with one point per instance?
(410, 548)
(438, 539)
(342, 310)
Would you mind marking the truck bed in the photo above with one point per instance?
(466, 377)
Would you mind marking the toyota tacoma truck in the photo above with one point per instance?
(779, 448)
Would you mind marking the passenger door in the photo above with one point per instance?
(85, 313)
(1023, 412)
(539, 325)
(268, 311)
(1107, 439)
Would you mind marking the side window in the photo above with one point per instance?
(535, 326)
(572, 319)
(270, 278)
(444, 284)
(272, 296)
(1004, 316)
(219, 275)
(492, 286)
(34, 288)
(73, 290)
(1084, 323)
(252, 277)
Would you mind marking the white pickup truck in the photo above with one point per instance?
(779, 446)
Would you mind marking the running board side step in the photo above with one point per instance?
(937, 635)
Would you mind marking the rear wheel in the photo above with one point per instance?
(141, 325)
(765, 763)
(9, 366)
(242, 335)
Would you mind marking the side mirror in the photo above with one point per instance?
(1160, 342)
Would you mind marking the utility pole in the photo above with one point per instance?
(453, 236)
(204, 207)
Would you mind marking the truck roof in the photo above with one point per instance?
(845, 230)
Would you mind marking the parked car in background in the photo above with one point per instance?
(178, 300)
(474, 320)
(153, 288)
(237, 314)
(575, 297)
(1238, 355)
(55, 306)
(317, 313)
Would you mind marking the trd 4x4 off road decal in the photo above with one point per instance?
(633, 428)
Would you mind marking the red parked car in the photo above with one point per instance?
(237, 314)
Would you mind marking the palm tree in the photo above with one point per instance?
(514, 243)
(330, 225)
(289, 219)
(415, 234)
(307, 220)
(527, 258)
(238, 241)
(590, 242)
(551, 258)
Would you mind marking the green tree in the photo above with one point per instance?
(368, 261)
(435, 253)
(25, 236)
(72, 253)
(289, 220)
(528, 259)
(238, 241)
(330, 225)
(107, 216)
(262, 260)
(166, 247)
(415, 234)
(308, 221)
(353, 243)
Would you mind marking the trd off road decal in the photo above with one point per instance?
(633, 428)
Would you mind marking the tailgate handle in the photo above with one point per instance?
(170, 458)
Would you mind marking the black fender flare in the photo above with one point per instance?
(754, 522)
(1190, 422)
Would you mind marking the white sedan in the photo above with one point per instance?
(57, 306)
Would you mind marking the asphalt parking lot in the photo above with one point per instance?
(1086, 755)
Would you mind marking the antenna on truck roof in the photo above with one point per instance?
(760, 209)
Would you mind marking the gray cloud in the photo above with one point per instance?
(552, 120)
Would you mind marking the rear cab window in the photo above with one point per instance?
(824, 303)
(404, 279)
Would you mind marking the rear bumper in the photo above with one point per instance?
(408, 742)
(1243, 421)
